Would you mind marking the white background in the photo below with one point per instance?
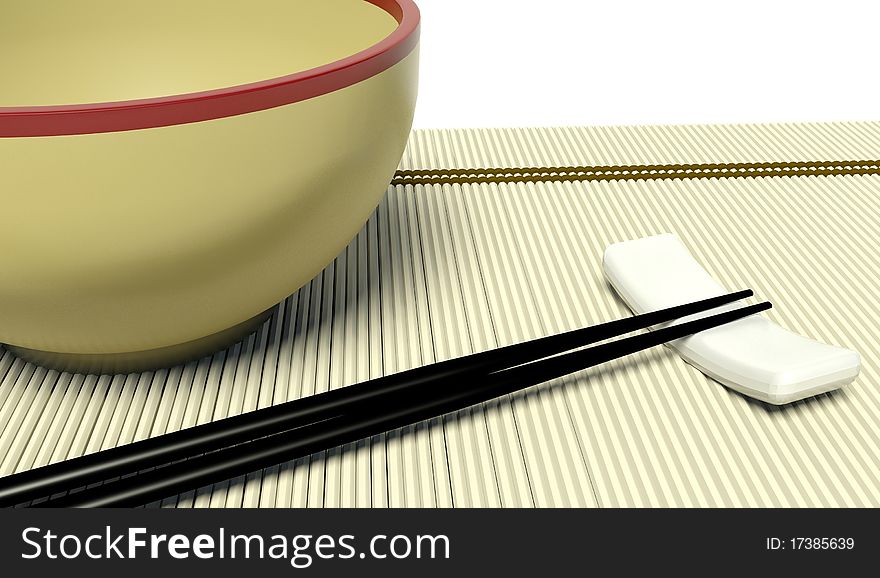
(567, 62)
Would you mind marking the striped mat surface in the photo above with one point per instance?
(442, 270)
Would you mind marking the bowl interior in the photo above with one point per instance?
(88, 51)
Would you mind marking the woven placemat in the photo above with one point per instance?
(490, 237)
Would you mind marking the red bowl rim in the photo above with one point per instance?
(219, 103)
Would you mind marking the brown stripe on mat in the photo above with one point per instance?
(636, 172)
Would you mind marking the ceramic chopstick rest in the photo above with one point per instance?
(753, 356)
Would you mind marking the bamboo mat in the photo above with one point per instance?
(442, 270)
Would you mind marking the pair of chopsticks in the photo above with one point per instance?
(224, 449)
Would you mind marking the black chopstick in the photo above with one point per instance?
(250, 456)
(160, 450)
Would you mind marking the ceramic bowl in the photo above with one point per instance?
(171, 170)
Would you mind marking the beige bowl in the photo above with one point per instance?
(171, 170)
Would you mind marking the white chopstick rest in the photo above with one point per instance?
(753, 356)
